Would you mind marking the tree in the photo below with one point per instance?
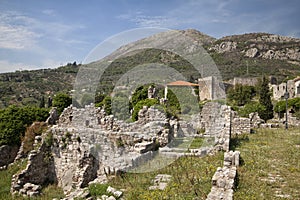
(61, 101)
(241, 94)
(265, 100)
(14, 120)
(42, 102)
(105, 104)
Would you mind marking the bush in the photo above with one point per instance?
(241, 94)
(139, 106)
(251, 108)
(61, 101)
(14, 120)
(280, 106)
(105, 104)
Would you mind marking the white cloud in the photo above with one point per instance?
(18, 31)
(14, 34)
(33, 40)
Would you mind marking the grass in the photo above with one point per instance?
(270, 164)
(49, 192)
(191, 178)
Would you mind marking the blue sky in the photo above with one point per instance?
(45, 34)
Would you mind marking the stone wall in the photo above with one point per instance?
(210, 88)
(104, 144)
(39, 171)
(215, 120)
(240, 125)
(223, 181)
(244, 81)
(7, 154)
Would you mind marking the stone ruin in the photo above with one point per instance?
(87, 145)
(223, 181)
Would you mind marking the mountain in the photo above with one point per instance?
(246, 55)
(28, 87)
(256, 54)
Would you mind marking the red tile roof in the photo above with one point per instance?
(297, 79)
(182, 83)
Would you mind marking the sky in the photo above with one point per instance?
(37, 34)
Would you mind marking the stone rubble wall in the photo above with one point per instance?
(215, 120)
(240, 125)
(89, 143)
(223, 181)
(7, 154)
(39, 171)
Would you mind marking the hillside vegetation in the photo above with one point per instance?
(247, 55)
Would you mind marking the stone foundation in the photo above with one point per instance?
(223, 181)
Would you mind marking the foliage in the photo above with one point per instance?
(173, 107)
(139, 106)
(119, 142)
(6, 177)
(105, 104)
(26, 88)
(294, 104)
(241, 94)
(61, 101)
(87, 99)
(49, 139)
(97, 190)
(42, 102)
(141, 93)
(251, 107)
(14, 120)
(265, 100)
(196, 143)
(280, 107)
(99, 98)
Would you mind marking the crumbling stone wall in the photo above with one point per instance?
(7, 154)
(240, 125)
(210, 88)
(39, 171)
(223, 181)
(215, 119)
(88, 143)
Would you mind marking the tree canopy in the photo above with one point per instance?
(265, 100)
(14, 120)
(61, 101)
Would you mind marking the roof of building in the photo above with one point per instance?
(297, 79)
(182, 83)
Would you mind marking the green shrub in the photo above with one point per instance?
(14, 120)
(250, 108)
(98, 189)
(139, 106)
(61, 101)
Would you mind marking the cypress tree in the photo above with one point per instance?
(265, 100)
(42, 102)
